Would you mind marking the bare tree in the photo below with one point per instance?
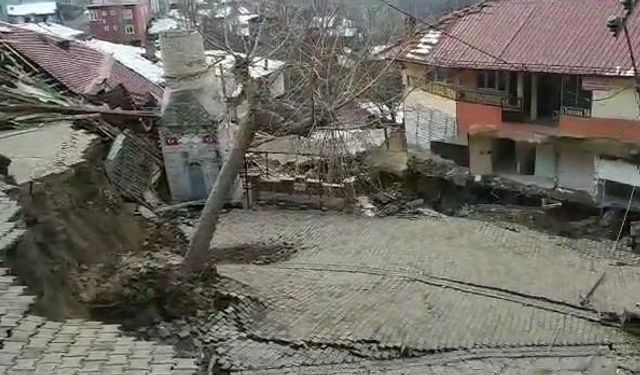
(328, 66)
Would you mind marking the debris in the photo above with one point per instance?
(147, 213)
(429, 212)
(367, 208)
(179, 206)
(586, 300)
(548, 204)
(415, 203)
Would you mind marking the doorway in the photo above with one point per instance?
(196, 178)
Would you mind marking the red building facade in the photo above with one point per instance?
(124, 22)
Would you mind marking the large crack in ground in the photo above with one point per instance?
(132, 277)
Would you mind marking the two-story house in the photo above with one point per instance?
(120, 21)
(538, 90)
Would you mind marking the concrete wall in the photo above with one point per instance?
(546, 161)
(576, 170)
(415, 70)
(184, 152)
(470, 115)
(480, 155)
(622, 130)
(618, 103)
(427, 118)
(618, 171)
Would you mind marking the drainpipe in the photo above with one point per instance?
(534, 97)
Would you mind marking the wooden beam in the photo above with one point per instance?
(76, 109)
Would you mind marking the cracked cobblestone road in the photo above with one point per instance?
(426, 284)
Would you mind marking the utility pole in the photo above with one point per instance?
(618, 24)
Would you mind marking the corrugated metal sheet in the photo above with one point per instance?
(555, 36)
(78, 67)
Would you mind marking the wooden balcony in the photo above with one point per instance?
(476, 96)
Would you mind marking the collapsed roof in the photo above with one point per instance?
(77, 66)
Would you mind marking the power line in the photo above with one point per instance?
(432, 26)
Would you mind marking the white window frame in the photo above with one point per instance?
(114, 27)
(127, 14)
(129, 29)
(106, 27)
(104, 13)
(94, 15)
(113, 12)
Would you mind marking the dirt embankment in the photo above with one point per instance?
(447, 188)
(74, 220)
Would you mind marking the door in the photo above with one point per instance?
(196, 178)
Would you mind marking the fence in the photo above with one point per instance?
(425, 124)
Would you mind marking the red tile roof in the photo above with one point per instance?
(79, 68)
(555, 36)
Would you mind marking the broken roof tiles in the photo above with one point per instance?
(568, 36)
(80, 68)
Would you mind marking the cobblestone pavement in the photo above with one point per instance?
(431, 285)
(33, 345)
(469, 251)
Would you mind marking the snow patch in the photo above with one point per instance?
(260, 67)
(39, 8)
(129, 56)
(163, 25)
(53, 29)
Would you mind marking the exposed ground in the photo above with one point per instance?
(449, 189)
(319, 293)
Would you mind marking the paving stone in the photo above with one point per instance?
(161, 369)
(115, 359)
(32, 353)
(138, 364)
(24, 364)
(51, 358)
(70, 363)
(185, 364)
(46, 369)
(77, 351)
(7, 359)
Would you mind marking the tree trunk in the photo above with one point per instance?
(198, 252)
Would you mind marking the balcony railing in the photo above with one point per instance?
(478, 96)
(442, 89)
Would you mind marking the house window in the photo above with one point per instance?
(93, 15)
(104, 13)
(114, 27)
(106, 27)
(573, 96)
(128, 29)
(492, 80)
(112, 12)
(127, 14)
(443, 75)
